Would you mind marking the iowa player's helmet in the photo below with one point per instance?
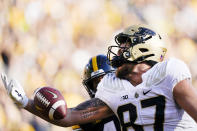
(143, 44)
(96, 67)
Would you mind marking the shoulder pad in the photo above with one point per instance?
(111, 83)
(177, 70)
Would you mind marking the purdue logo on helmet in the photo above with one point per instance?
(96, 67)
(137, 44)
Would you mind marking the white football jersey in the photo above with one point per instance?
(149, 106)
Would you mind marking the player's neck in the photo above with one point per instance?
(132, 73)
(135, 78)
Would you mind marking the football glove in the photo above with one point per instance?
(15, 91)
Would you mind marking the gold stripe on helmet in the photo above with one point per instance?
(75, 127)
(94, 64)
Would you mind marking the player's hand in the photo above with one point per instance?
(15, 91)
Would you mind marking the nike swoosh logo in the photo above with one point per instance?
(146, 92)
(54, 95)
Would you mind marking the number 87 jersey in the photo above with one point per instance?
(149, 106)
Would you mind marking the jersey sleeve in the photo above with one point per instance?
(177, 71)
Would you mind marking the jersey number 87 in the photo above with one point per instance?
(158, 101)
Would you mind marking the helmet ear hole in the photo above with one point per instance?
(143, 49)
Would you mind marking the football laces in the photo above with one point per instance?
(42, 99)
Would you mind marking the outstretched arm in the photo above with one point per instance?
(88, 111)
(85, 112)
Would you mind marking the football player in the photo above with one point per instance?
(97, 67)
(149, 94)
(146, 93)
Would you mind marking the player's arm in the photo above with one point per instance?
(186, 97)
(88, 111)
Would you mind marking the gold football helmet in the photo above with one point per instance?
(137, 44)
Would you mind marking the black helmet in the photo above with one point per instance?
(96, 67)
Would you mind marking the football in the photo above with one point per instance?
(50, 102)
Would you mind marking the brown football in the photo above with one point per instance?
(50, 102)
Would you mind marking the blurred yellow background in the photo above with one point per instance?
(48, 43)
